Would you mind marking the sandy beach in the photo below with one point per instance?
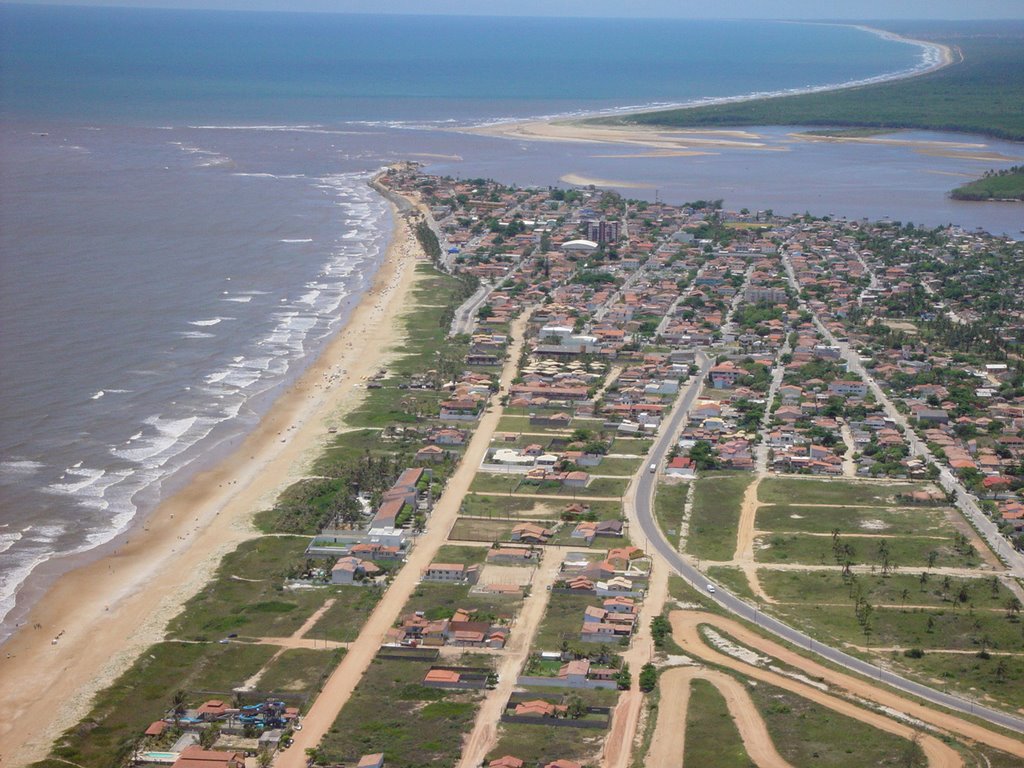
(696, 141)
(95, 620)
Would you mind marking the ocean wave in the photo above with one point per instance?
(320, 129)
(211, 321)
(237, 299)
(271, 175)
(196, 335)
(20, 467)
(296, 240)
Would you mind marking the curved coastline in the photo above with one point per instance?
(92, 623)
(934, 56)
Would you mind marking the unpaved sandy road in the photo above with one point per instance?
(669, 742)
(350, 671)
(940, 755)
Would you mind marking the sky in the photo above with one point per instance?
(718, 9)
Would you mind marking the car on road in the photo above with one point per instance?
(711, 588)
(653, 468)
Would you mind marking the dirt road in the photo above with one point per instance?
(685, 632)
(485, 730)
(346, 676)
(669, 742)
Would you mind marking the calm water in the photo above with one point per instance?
(184, 215)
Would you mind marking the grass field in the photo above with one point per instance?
(668, 508)
(523, 508)
(715, 515)
(300, 671)
(805, 490)
(390, 710)
(466, 529)
(439, 600)
(540, 744)
(829, 587)
(562, 621)
(913, 521)
(997, 679)
(806, 733)
(143, 694)
(711, 734)
(246, 596)
(343, 620)
(904, 551)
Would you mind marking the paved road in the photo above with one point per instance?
(464, 320)
(656, 540)
(950, 483)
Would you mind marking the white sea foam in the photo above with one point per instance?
(296, 240)
(20, 467)
(276, 128)
(271, 175)
(108, 492)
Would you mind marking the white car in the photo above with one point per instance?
(711, 588)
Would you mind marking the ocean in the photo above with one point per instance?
(185, 218)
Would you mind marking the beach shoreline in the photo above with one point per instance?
(95, 620)
(576, 129)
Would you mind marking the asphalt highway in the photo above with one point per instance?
(655, 540)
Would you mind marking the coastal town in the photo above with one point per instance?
(828, 415)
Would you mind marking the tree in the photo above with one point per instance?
(208, 736)
(623, 679)
(648, 677)
(1013, 607)
(575, 708)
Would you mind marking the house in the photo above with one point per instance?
(197, 757)
(725, 375)
(531, 533)
(349, 569)
(156, 728)
(564, 764)
(681, 466)
(431, 454)
(509, 555)
(508, 761)
(540, 708)
(371, 761)
(575, 672)
(453, 572)
(845, 388)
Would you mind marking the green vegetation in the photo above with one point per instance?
(416, 726)
(920, 521)
(980, 94)
(711, 734)
(143, 694)
(806, 733)
(539, 744)
(716, 514)
(246, 595)
(562, 621)
(1007, 184)
(783, 490)
(299, 670)
(668, 508)
(993, 676)
(343, 620)
(901, 551)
